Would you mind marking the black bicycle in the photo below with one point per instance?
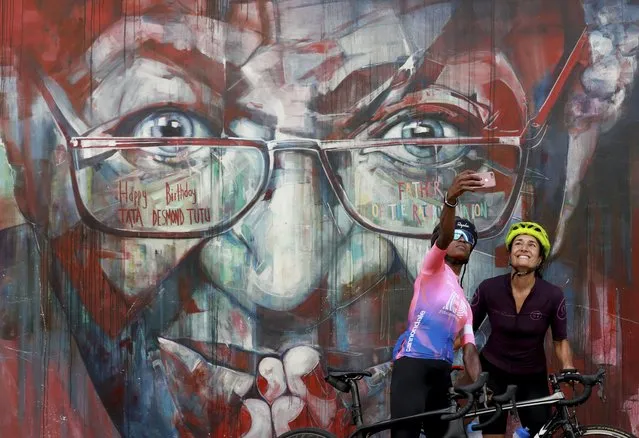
(346, 382)
(563, 421)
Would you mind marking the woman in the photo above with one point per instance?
(438, 313)
(521, 306)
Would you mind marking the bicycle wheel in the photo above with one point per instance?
(307, 432)
(601, 430)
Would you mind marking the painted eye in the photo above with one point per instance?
(166, 123)
(427, 127)
(423, 128)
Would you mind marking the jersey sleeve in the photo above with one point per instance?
(559, 321)
(467, 333)
(433, 260)
(478, 306)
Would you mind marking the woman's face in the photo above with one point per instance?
(525, 252)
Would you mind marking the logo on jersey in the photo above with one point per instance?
(454, 306)
(409, 344)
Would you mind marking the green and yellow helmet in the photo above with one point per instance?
(531, 229)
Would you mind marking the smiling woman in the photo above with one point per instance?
(521, 307)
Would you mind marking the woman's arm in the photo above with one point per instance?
(564, 354)
(559, 327)
(479, 308)
(464, 182)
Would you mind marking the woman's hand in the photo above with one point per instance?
(466, 181)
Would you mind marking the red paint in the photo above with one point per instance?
(239, 324)
(319, 47)
(303, 419)
(185, 291)
(48, 406)
(262, 384)
(245, 421)
(354, 87)
(316, 385)
(76, 252)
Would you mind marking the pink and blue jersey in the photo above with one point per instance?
(439, 312)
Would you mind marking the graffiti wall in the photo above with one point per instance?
(206, 205)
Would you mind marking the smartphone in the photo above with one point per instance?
(487, 179)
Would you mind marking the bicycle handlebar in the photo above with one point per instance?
(587, 381)
(501, 399)
(469, 392)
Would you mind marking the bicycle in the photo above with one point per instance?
(561, 420)
(346, 382)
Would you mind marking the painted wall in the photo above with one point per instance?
(158, 278)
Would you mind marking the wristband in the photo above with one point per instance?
(448, 203)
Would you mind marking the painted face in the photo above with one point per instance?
(234, 257)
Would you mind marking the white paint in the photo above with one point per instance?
(261, 426)
(285, 410)
(300, 362)
(272, 370)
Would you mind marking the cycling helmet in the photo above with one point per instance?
(532, 229)
(460, 224)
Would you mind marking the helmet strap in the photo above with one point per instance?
(524, 272)
(455, 262)
(452, 261)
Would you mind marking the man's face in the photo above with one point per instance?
(184, 75)
(296, 268)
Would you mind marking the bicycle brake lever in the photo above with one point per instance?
(600, 392)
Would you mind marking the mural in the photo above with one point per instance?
(206, 205)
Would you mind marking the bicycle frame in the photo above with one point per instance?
(560, 418)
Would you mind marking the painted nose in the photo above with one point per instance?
(278, 250)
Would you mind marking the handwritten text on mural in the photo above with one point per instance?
(135, 201)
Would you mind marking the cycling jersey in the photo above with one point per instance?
(438, 312)
(516, 341)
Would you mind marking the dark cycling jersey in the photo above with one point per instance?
(516, 341)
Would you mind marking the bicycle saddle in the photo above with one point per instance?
(349, 374)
